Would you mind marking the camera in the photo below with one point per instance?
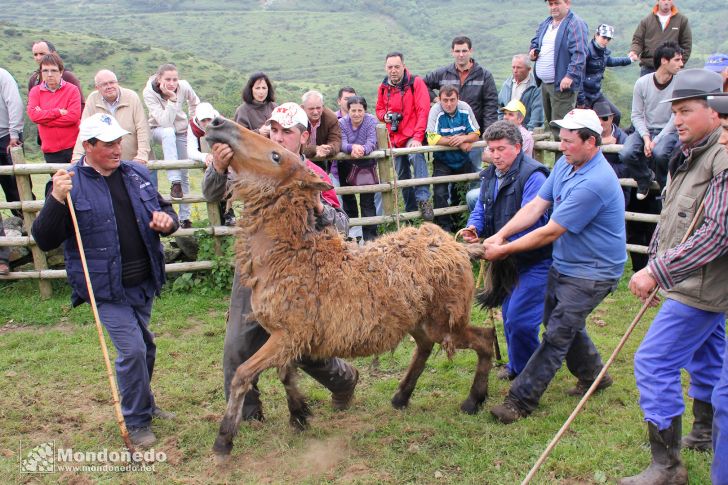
(394, 119)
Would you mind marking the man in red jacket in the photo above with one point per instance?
(403, 103)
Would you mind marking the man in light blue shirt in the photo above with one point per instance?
(589, 251)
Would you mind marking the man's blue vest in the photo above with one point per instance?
(99, 234)
(499, 210)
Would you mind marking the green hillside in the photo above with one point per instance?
(314, 43)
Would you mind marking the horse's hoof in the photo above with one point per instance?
(298, 422)
(222, 447)
(399, 401)
(221, 459)
(469, 406)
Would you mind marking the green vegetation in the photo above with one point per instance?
(54, 387)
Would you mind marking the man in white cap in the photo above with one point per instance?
(587, 231)
(243, 334)
(120, 217)
(688, 332)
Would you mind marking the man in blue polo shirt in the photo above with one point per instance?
(589, 251)
(451, 123)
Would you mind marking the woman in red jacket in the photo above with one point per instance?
(55, 106)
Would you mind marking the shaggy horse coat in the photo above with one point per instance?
(320, 296)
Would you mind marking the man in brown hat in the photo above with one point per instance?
(689, 330)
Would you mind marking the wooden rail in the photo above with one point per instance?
(387, 175)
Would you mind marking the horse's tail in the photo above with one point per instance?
(500, 279)
(476, 251)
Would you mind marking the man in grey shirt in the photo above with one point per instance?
(647, 150)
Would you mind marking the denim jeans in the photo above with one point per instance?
(680, 337)
(569, 301)
(128, 327)
(471, 198)
(420, 193)
(174, 147)
(447, 192)
(4, 250)
(639, 166)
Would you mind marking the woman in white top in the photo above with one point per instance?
(165, 95)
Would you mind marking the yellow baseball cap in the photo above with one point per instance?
(514, 105)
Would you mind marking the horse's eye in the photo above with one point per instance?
(276, 157)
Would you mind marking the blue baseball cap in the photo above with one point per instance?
(717, 62)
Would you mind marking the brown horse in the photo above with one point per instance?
(320, 296)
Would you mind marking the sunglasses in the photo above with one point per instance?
(604, 118)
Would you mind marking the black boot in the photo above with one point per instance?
(666, 468)
(701, 437)
(337, 376)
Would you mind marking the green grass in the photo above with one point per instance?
(53, 387)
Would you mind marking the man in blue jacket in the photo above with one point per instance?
(521, 86)
(120, 217)
(509, 183)
(559, 49)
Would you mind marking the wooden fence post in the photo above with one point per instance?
(26, 194)
(385, 169)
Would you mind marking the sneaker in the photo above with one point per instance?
(583, 386)
(505, 374)
(186, 224)
(142, 436)
(162, 414)
(341, 400)
(508, 412)
(4, 268)
(426, 210)
(176, 191)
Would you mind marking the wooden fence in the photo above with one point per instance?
(387, 187)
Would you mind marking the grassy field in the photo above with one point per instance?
(53, 387)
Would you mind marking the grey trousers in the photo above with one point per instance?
(556, 104)
(568, 302)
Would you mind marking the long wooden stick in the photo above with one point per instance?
(596, 382)
(92, 299)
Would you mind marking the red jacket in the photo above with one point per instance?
(57, 132)
(411, 98)
(328, 195)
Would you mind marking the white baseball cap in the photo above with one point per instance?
(205, 111)
(580, 118)
(288, 115)
(101, 126)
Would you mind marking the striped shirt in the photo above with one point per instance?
(708, 242)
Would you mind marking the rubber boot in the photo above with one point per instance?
(666, 467)
(701, 437)
(337, 376)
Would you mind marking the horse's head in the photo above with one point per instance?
(261, 164)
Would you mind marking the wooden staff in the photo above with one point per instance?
(92, 299)
(596, 382)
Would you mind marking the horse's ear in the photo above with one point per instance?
(313, 181)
